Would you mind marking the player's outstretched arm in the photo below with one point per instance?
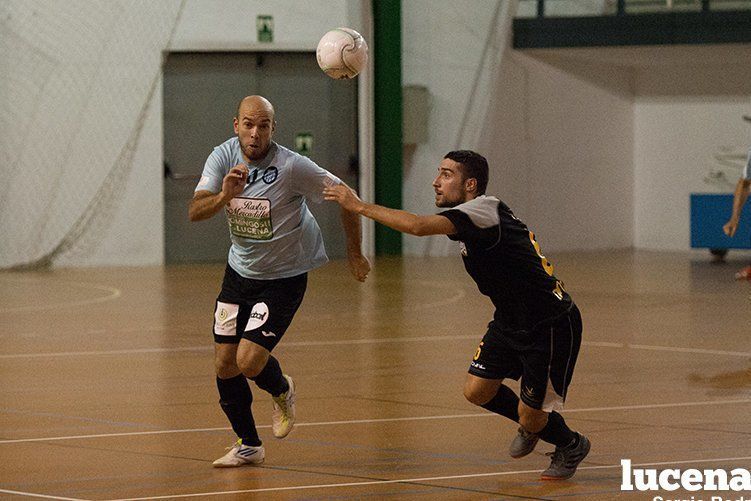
(400, 220)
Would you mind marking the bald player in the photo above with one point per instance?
(264, 189)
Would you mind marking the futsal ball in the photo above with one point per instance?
(342, 53)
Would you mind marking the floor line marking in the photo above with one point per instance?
(370, 421)
(428, 479)
(348, 342)
(114, 293)
(208, 347)
(34, 495)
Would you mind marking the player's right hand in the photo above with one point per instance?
(234, 182)
(730, 227)
(343, 195)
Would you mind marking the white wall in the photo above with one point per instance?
(559, 144)
(442, 43)
(232, 23)
(683, 117)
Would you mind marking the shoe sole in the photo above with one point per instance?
(237, 465)
(589, 446)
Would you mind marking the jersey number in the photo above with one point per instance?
(547, 266)
(545, 263)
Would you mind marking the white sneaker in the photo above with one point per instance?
(240, 454)
(283, 416)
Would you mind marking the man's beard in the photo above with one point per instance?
(448, 203)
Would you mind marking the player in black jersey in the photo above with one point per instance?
(536, 330)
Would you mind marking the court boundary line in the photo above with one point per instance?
(209, 346)
(425, 479)
(114, 293)
(346, 342)
(374, 420)
(35, 495)
(383, 482)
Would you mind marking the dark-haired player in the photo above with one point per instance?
(536, 330)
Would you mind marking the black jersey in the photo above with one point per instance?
(504, 259)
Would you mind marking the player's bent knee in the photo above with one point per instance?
(225, 366)
(480, 391)
(225, 369)
(251, 366)
(477, 395)
(251, 358)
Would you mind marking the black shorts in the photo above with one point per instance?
(544, 359)
(257, 310)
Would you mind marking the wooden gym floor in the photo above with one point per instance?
(107, 388)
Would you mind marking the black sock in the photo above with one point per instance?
(556, 432)
(271, 379)
(505, 403)
(235, 398)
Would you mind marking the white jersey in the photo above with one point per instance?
(273, 233)
(746, 174)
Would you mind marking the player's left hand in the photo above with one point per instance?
(358, 265)
(343, 195)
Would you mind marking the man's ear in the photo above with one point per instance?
(470, 185)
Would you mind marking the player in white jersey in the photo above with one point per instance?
(740, 196)
(264, 189)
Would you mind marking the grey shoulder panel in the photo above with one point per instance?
(482, 211)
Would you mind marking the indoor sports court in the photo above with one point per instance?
(614, 128)
(117, 403)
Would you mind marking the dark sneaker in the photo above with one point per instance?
(565, 460)
(524, 443)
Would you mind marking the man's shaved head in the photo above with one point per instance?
(254, 103)
(254, 126)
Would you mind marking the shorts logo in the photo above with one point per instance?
(268, 334)
(258, 316)
(225, 319)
